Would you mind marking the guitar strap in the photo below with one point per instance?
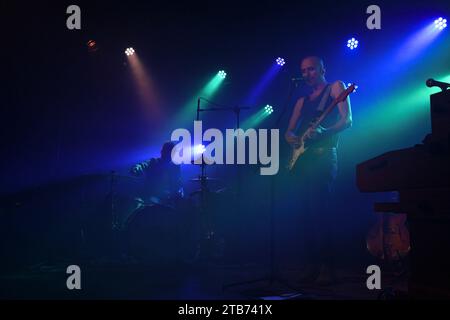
(324, 98)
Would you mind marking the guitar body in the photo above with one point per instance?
(297, 151)
(389, 238)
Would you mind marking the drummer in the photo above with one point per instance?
(162, 177)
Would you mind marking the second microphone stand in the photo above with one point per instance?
(272, 277)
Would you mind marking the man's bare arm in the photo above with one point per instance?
(345, 111)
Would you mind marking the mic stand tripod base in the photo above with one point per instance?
(271, 288)
(209, 250)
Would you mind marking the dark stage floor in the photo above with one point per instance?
(103, 280)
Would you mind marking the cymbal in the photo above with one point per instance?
(205, 179)
(210, 192)
(109, 176)
(201, 164)
(118, 176)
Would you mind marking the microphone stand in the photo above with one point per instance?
(272, 277)
(203, 189)
(236, 110)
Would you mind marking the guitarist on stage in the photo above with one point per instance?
(317, 168)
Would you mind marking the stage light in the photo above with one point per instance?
(440, 23)
(280, 61)
(258, 117)
(92, 46)
(208, 90)
(352, 43)
(222, 74)
(199, 149)
(268, 109)
(129, 51)
(349, 84)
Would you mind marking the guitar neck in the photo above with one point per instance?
(324, 114)
(340, 98)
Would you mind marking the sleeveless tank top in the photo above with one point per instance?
(310, 112)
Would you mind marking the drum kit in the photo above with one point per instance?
(157, 231)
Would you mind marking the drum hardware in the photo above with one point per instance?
(157, 231)
(116, 219)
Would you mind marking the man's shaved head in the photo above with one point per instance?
(313, 70)
(317, 61)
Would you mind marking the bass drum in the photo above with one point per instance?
(159, 235)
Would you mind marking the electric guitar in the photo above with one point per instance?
(300, 147)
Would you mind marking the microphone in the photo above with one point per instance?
(433, 83)
(300, 79)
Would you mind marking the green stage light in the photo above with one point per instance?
(257, 118)
(268, 109)
(208, 91)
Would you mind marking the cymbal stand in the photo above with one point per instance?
(114, 217)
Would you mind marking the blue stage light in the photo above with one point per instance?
(440, 23)
(352, 43)
(280, 61)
